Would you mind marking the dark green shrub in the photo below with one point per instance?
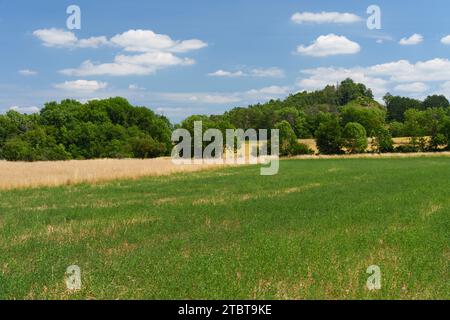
(288, 139)
(397, 129)
(407, 149)
(438, 141)
(354, 138)
(329, 135)
(17, 149)
(383, 141)
(146, 147)
(300, 149)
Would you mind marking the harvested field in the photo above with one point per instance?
(23, 174)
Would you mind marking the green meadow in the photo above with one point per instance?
(309, 232)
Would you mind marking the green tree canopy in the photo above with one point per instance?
(354, 137)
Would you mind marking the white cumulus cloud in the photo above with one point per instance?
(329, 45)
(272, 72)
(414, 87)
(446, 40)
(437, 69)
(412, 40)
(147, 40)
(25, 110)
(27, 72)
(324, 17)
(271, 92)
(135, 87)
(227, 74)
(81, 86)
(318, 78)
(401, 75)
(126, 65)
(60, 38)
(152, 52)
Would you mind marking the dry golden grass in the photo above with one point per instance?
(16, 175)
(311, 143)
(375, 156)
(37, 174)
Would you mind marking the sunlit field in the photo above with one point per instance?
(309, 232)
(14, 175)
(56, 173)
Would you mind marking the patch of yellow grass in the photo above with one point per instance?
(431, 209)
(15, 175)
(400, 141)
(254, 196)
(375, 155)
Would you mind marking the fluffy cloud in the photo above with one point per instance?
(411, 41)
(320, 77)
(444, 88)
(81, 86)
(125, 65)
(153, 52)
(422, 71)
(446, 40)
(60, 38)
(135, 87)
(271, 92)
(330, 45)
(27, 72)
(244, 97)
(399, 75)
(201, 98)
(272, 72)
(131, 40)
(267, 72)
(25, 110)
(414, 87)
(324, 17)
(226, 74)
(147, 40)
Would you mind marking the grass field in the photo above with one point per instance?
(308, 233)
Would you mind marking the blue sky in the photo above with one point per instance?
(185, 57)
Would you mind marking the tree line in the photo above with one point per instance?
(340, 118)
(110, 128)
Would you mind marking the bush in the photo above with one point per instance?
(17, 149)
(288, 139)
(445, 130)
(51, 153)
(145, 147)
(438, 141)
(383, 141)
(355, 138)
(300, 149)
(329, 135)
(407, 149)
(397, 129)
(372, 119)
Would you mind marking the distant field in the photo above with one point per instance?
(311, 143)
(308, 233)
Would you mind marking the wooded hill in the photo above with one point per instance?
(339, 117)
